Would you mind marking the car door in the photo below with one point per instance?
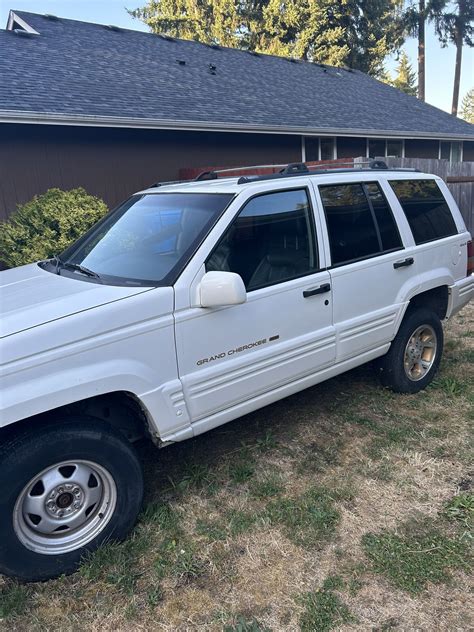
(372, 267)
(237, 358)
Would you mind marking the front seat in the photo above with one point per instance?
(219, 260)
(278, 266)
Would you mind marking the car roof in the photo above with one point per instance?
(234, 185)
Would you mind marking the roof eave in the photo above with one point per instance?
(49, 118)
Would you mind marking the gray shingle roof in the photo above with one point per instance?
(80, 70)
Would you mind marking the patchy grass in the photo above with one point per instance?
(461, 508)
(420, 554)
(343, 507)
(245, 625)
(307, 520)
(13, 601)
(323, 609)
(268, 486)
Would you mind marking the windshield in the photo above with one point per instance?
(148, 239)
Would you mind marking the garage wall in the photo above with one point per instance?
(113, 163)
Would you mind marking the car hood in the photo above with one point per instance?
(31, 296)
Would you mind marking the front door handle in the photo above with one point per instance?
(402, 264)
(325, 287)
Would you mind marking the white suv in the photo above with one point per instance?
(193, 304)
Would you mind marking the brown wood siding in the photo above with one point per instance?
(113, 163)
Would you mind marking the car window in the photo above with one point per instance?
(150, 238)
(383, 213)
(425, 208)
(350, 223)
(270, 241)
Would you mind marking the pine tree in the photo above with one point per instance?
(354, 33)
(467, 107)
(406, 77)
(457, 27)
(416, 15)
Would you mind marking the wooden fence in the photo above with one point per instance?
(459, 177)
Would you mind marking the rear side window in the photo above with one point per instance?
(389, 234)
(425, 208)
(359, 221)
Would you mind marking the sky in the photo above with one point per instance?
(439, 61)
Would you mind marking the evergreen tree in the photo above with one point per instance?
(416, 15)
(354, 33)
(457, 27)
(467, 107)
(406, 77)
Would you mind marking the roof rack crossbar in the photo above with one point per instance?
(213, 174)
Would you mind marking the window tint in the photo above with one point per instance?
(350, 223)
(386, 223)
(425, 208)
(270, 241)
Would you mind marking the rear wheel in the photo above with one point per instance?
(65, 489)
(415, 353)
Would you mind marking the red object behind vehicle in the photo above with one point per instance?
(470, 258)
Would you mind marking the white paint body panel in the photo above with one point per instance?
(192, 368)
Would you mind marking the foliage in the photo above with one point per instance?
(47, 225)
(467, 107)
(456, 25)
(406, 77)
(430, 10)
(355, 33)
(415, 16)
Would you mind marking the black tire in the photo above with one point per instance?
(391, 366)
(25, 455)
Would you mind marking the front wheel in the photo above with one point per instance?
(415, 353)
(65, 488)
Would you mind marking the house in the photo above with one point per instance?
(114, 110)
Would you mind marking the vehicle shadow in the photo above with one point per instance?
(167, 470)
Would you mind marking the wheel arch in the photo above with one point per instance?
(436, 299)
(120, 409)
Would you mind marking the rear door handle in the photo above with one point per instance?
(402, 264)
(325, 287)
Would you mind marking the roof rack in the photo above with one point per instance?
(290, 170)
(299, 169)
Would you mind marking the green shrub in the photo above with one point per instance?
(47, 225)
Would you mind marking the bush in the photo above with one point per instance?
(47, 225)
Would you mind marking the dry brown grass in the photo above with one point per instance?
(385, 459)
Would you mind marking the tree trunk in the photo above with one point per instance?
(421, 50)
(457, 73)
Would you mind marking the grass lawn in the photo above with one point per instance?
(344, 507)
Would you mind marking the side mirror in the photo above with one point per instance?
(221, 288)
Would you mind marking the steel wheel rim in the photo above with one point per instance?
(420, 352)
(64, 507)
